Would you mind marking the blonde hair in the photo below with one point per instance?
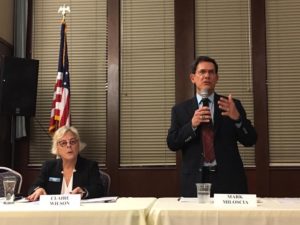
(60, 133)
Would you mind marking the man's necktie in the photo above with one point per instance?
(207, 137)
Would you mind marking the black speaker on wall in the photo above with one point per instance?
(18, 86)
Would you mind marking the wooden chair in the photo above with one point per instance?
(106, 182)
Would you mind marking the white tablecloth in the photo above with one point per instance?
(126, 211)
(269, 211)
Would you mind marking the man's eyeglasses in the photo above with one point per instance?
(203, 72)
(64, 143)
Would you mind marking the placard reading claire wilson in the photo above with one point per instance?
(66, 201)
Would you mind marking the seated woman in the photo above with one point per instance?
(69, 173)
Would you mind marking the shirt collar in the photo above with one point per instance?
(211, 98)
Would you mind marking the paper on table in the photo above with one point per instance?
(103, 199)
(183, 199)
(289, 200)
(23, 200)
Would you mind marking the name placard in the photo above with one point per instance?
(72, 200)
(235, 200)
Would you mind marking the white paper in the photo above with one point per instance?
(183, 199)
(103, 200)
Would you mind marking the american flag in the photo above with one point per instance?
(60, 111)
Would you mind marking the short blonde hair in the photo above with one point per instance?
(60, 133)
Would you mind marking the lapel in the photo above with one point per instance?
(193, 106)
(217, 113)
(58, 173)
(77, 172)
(59, 168)
(189, 109)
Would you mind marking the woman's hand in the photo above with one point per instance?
(36, 194)
(79, 190)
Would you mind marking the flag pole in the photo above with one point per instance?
(60, 108)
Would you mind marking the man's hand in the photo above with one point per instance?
(229, 108)
(201, 115)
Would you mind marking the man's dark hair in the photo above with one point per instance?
(200, 59)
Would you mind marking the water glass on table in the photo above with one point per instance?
(203, 192)
(9, 184)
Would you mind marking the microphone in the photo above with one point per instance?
(205, 101)
(204, 94)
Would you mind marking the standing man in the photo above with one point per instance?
(211, 158)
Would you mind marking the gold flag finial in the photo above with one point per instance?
(63, 10)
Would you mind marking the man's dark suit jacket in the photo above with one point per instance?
(87, 176)
(230, 176)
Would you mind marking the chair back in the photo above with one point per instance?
(5, 171)
(105, 177)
